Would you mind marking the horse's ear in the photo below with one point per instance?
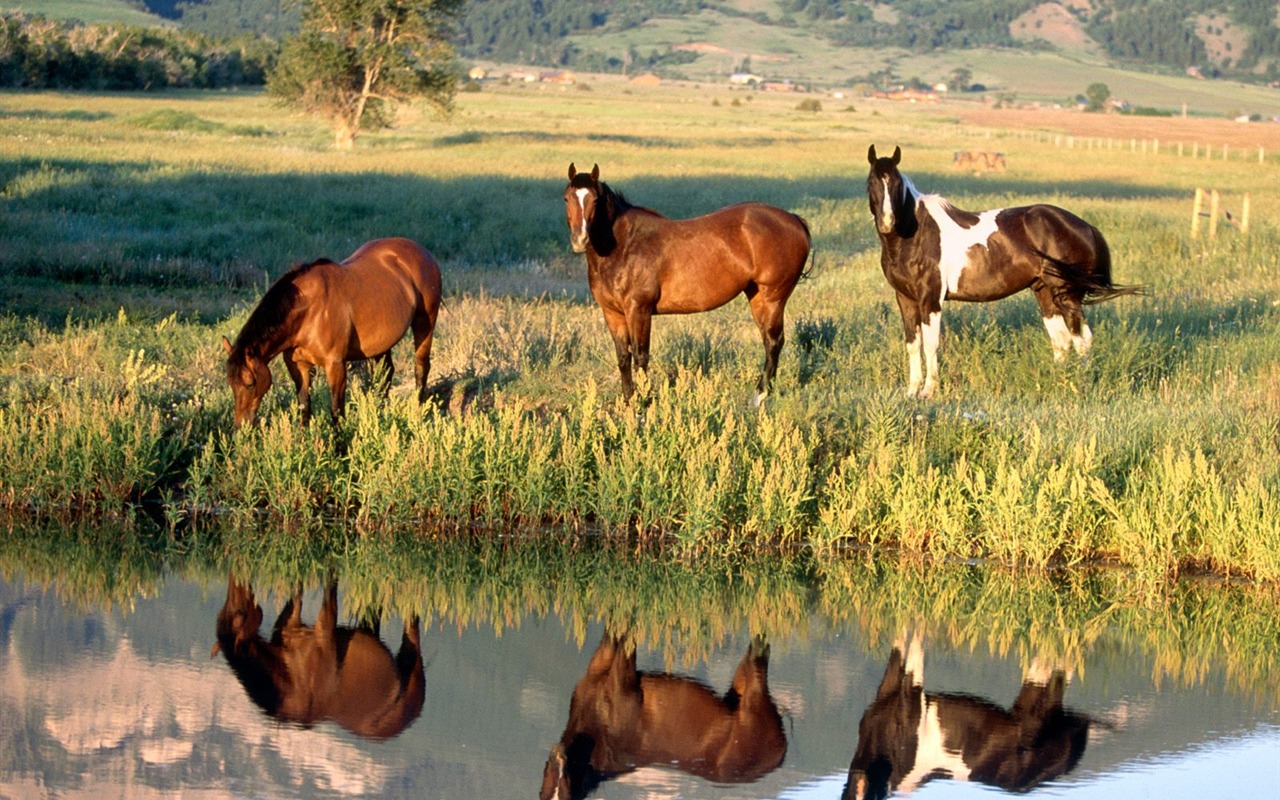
(226, 345)
(572, 170)
(871, 155)
(595, 172)
(897, 155)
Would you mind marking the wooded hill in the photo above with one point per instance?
(1218, 37)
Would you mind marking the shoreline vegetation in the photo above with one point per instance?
(139, 230)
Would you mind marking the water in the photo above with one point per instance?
(123, 699)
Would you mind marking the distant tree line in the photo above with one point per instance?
(37, 53)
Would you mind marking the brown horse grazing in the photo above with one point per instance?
(908, 736)
(326, 314)
(931, 251)
(639, 263)
(621, 719)
(307, 674)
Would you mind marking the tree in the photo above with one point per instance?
(1097, 96)
(961, 79)
(354, 60)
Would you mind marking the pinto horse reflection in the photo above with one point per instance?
(621, 719)
(909, 736)
(305, 674)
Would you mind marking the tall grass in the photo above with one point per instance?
(130, 251)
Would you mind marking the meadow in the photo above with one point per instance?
(138, 230)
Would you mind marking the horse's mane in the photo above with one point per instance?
(266, 322)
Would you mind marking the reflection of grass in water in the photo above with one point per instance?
(684, 607)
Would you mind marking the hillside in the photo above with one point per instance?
(87, 11)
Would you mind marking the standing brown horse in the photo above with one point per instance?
(326, 314)
(621, 719)
(639, 263)
(305, 674)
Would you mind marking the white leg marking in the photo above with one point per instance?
(915, 659)
(1084, 341)
(931, 331)
(758, 400)
(913, 360)
(1059, 336)
(1039, 672)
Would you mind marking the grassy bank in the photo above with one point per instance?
(131, 246)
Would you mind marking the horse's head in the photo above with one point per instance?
(240, 618)
(580, 198)
(890, 194)
(249, 379)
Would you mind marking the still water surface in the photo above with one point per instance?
(110, 702)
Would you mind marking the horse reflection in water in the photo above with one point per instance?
(306, 674)
(909, 736)
(621, 719)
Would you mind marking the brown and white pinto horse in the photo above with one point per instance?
(307, 674)
(932, 252)
(909, 736)
(325, 314)
(621, 719)
(639, 263)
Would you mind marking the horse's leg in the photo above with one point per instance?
(910, 312)
(930, 334)
(767, 310)
(1081, 336)
(336, 372)
(300, 372)
(1057, 321)
(622, 347)
(639, 326)
(423, 333)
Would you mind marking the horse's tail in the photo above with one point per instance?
(1094, 285)
(807, 272)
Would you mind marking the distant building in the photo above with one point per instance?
(778, 86)
(745, 79)
(908, 96)
(477, 73)
(562, 76)
(522, 75)
(647, 79)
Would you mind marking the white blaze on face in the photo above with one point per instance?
(956, 241)
(581, 194)
(886, 207)
(932, 754)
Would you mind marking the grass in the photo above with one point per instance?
(130, 247)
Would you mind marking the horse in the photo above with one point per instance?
(621, 719)
(306, 674)
(326, 314)
(640, 263)
(931, 252)
(909, 736)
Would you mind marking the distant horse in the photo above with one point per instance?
(326, 314)
(621, 719)
(639, 263)
(909, 736)
(307, 674)
(931, 252)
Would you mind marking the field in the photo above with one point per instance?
(87, 11)
(138, 230)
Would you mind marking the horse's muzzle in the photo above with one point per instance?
(578, 243)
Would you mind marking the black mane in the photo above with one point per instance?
(266, 323)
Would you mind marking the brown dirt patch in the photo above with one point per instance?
(1215, 132)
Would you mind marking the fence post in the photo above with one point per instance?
(1214, 200)
(1244, 214)
(1195, 212)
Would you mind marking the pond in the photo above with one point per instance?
(440, 670)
